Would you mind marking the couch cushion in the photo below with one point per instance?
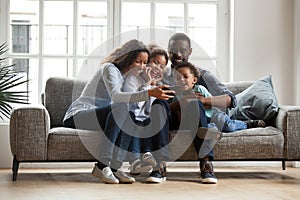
(71, 144)
(59, 94)
(250, 144)
(238, 87)
(256, 102)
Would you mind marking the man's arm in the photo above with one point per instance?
(221, 101)
(221, 96)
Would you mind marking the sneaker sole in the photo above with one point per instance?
(155, 180)
(209, 181)
(97, 173)
(124, 179)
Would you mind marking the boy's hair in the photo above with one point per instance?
(159, 51)
(180, 36)
(193, 69)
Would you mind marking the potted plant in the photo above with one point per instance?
(8, 80)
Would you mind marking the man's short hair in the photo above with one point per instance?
(180, 36)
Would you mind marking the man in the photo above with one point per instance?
(179, 48)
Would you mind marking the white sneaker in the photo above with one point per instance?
(155, 177)
(148, 158)
(138, 167)
(123, 177)
(105, 175)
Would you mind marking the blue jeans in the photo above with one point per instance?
(130, 143)
(99, 119)
(157, 144)
(93, 119)
(203, 147)
(143, 139)
(225, 124)
(150, 139)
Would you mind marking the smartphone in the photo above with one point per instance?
(177, 88)
(168, 88)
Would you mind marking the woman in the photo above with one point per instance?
(102, 97)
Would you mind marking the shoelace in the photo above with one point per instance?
(163, 169)
(206, 167)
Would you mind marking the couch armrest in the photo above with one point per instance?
(288, 120)
(29, 128)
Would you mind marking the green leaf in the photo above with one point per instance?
(9, 79)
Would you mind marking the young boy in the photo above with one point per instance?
(187, 77)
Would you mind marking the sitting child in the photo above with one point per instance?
(144, 79)
(187, 77)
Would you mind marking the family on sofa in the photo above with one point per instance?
(37, 133)
(132, 79)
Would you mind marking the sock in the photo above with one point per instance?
(113, 170)
(101, 166)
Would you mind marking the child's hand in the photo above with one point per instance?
(159, 75)
(147, 75)
(198, 95)
(203, 99)
(190, 94)
(152, 76)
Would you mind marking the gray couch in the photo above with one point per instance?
(37, 135)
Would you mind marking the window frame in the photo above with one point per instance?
(114, 23)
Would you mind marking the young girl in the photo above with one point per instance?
(143, 141)
(98, 107)
(187, 77)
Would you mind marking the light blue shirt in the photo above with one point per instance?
(201, 89)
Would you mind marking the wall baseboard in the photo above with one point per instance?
(296, 164)
(170, 164)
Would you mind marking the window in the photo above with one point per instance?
(55, 37)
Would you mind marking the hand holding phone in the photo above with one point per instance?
(169, 91)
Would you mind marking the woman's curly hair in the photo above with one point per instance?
(124, 55)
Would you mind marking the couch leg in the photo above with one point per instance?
(283, 165)
(15, 168)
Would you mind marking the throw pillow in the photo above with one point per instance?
(256, 102)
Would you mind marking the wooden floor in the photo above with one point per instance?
(240, 183)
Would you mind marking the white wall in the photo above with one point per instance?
(3, 21)
(264, 44)
(297, 51)
(5, 153)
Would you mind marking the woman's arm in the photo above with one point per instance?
(113, 81)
